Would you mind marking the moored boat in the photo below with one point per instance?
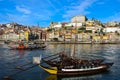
(69, 66)
(78, 70)
(28, 47)
(63, 59)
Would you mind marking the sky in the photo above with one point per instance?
(42, 12)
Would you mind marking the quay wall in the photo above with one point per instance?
(58, 42)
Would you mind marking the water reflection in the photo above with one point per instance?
(90, 77)
(21, 53)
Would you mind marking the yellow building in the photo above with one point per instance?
(100, 37)
(96, 37)
(68, 36)
(105, 37)
(26, 33)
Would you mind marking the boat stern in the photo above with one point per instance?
(51, 70)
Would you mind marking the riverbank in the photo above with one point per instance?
(73, 42)
(58, 42)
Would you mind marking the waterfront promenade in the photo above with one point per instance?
(83, 42)
(77, 42)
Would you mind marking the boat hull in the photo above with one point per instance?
(85, 71)
(51, 70)
(53, 63)
(27, 48)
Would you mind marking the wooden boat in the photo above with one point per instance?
(69, 66)
(71, 62)
(71, 70)
(28, 47)
(65, 60)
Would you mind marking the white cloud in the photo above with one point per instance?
(42, 17)
(23, 19)
(26, 19)
(79, 9)
(23, 10)
(51, 4)
(115, 17)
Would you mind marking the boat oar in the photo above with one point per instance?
(10, 76)
(36, 61)
(52, 58)
(18, 67)
(52, 55)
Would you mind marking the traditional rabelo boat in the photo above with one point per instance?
(64, 65)
(62, 58)
(28, 46)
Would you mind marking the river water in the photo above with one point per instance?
(9, 59)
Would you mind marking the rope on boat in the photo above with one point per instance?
(10, 76)
(52, 58)
(36, 62)
(51, 55)
(23, 65)
(22, 70)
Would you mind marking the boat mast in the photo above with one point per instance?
(64, 39)
(75, 37)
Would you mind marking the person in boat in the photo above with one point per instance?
(21, 46)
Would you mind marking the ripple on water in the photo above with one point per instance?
(11, 58)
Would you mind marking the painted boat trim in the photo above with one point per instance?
(51, 70)
(85, 69)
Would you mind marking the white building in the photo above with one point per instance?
(10, 36)
(8, 25)
(112, 29)
(57, 26)
(74, 24)
(80, 19)
(52, 24)
(113, 23)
